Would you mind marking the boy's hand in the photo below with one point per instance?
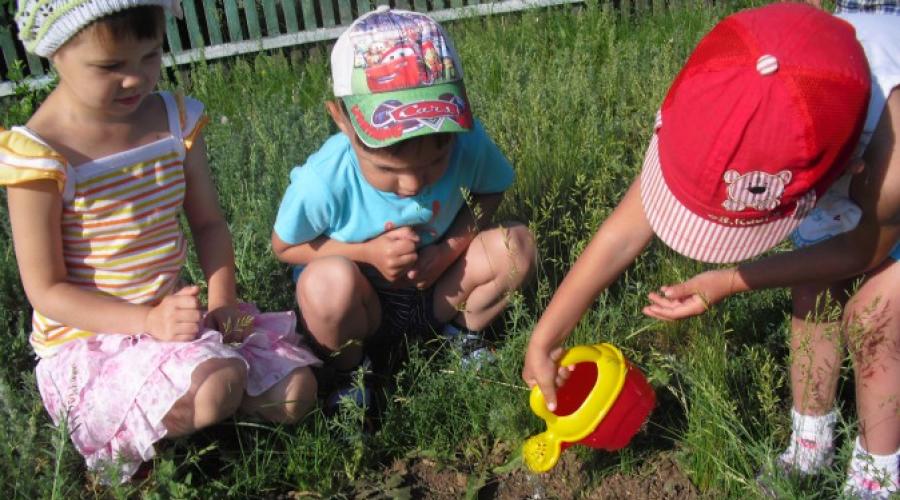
(433, 261)
(542, 369)
(176, 318)
(393, 252)
(231, 322)
(692, 297)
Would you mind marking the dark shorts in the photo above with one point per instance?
(407, 316)
(406, 312)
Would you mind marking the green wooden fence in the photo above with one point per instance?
(211, 29)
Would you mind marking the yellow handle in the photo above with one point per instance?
(611, 371)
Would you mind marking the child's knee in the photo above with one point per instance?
(299, 396)
(813, 302)
(523, 250)
(341, 276)
(872, 325)
(514, 246)
(220, 386)
(217, 388)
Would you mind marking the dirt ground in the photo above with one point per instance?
(425, 478)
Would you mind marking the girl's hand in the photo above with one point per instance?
(542, 369)
(176, 318)
(433, 261)
(231, 322)
(692, 297)
(393, 253)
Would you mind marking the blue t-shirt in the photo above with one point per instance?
(329, 195)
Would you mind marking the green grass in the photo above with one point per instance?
(574, 117)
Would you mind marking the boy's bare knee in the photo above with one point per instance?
(511, 250)
(340, 274)
(523, 250)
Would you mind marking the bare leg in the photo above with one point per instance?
(474, 290)
(873, 331)
(287, 401)
(816, 352)
(339, 308)
(217, 388)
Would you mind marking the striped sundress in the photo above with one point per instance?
(120, 229)
(121, 238)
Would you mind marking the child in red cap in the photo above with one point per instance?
(761, 121)
(846, 236)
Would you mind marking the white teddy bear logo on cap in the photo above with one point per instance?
(759, 190)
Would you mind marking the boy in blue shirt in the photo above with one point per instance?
(388, 222)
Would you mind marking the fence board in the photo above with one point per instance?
(271, 16)
(363, 6)
(211, 13)
(34, 64)
(172, 35)
(402, 4)
(233, 18)
(346, 13)
(290, 16)
(327, 13)
(421, 5)
(252, 19)
(309, 14)
(9, 48)
(193, 24)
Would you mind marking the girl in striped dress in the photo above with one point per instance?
(97, 180)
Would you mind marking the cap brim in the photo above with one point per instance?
(699, 238)
(385, 118)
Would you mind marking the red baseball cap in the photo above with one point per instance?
(763, 117)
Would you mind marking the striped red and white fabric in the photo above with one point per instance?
(699, 238)
(120, 229)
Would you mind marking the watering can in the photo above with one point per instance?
(602, 404)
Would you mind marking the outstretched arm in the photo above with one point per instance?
(613, 248)
(876, 190)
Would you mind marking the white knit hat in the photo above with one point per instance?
(46, 25)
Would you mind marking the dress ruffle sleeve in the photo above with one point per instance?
(24, 159)
(193, 119)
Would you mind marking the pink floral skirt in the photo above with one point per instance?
(114, 390)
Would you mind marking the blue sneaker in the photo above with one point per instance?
(474, 350)
(354, 386)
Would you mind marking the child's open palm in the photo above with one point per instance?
(691, 298)
(177, 317)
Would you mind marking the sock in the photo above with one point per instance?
(872, 476)
(811, 447)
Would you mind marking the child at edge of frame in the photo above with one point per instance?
(389, 222)
(97, 180)
(750, 146)
(851, 234)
